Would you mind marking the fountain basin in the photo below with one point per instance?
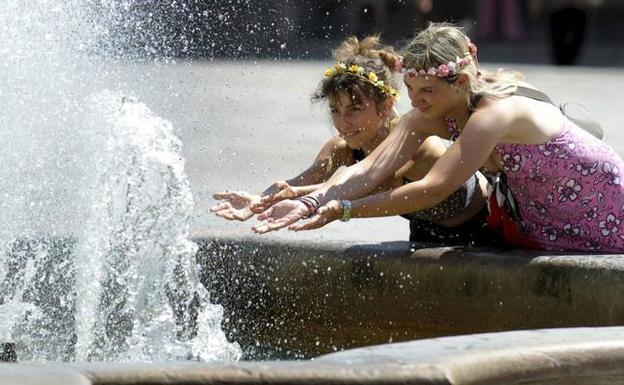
(341, 303)
(291, 300)
(554, 356)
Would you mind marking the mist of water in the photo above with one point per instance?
(95, 257)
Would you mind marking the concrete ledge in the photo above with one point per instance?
(557, 356)
(299, 300)
(302, 300)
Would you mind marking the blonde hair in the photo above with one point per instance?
(372, 56)
(441, 43)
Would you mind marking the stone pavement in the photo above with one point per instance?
(246, 124)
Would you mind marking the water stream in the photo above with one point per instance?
(95, 258)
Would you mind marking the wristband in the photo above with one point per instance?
(310, 203)
(313, 199)
(345, 205)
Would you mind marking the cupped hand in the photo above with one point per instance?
(324, 215)
(280, 215)
(278, 191)
(235, 205)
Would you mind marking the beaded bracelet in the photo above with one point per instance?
(311, 204)
(345, 205)
(316, 201)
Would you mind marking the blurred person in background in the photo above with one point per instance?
(376, 16)
(368, 16)
(444, 10)
(500, 18)
(567, 26)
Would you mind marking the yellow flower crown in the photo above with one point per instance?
(356, 70)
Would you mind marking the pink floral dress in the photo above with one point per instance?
(568, 191)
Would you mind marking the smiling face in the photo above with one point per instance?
(356, 117)
(432, 96)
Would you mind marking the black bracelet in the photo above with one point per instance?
(310, 205)
(316, 201)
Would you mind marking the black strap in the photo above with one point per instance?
(358, 154)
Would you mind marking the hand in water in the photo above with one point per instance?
(278, 191)
(325, 214)
(235, 205)
(281, 215)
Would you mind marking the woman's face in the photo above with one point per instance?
(357, 121)
(432, 96)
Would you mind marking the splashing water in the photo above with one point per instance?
(95, 260)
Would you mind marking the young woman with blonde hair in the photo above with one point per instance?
(554, 186)
(360, 89)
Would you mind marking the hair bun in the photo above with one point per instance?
(391, 59)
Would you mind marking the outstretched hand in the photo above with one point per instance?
(235, 205)
(324, 215)
(278, 191)
(280, 215)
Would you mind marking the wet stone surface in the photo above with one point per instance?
(292, 300)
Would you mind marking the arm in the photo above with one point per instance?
(240, 205)
(460, 162)
(365, 176)
(463, 159)
(359, 179)
(333, 155)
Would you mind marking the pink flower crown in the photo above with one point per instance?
(443, 70)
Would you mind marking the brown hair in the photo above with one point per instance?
(441, 43)
(369, 54)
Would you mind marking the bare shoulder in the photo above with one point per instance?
(517, 119)
(416, 122)
(432, 147)
(334, 154)
(335, 146)
(337, 143)
(493, 115)
(336, 151)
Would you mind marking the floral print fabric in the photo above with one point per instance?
(568, 190)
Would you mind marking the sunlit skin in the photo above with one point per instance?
(512, 119)
(361, 124)
(434, 98)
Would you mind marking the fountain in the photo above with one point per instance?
(95, 258)
(97, 269)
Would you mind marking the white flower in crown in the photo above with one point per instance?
(411, 72)
(431, 71)
(452, 67)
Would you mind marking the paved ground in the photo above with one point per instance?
(247, 124)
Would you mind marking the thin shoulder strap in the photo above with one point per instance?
(533, 94)
(358, 154)
(588, 124)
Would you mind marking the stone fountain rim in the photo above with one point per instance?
(555, 355)
(423, 253)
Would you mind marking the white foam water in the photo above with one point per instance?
(95, 258)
